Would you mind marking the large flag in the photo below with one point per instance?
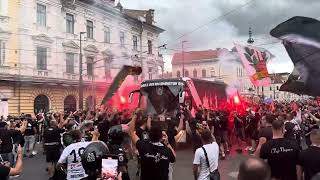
(254, 61)
(301, 39)
(118, 80)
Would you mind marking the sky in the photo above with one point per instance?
(218, 30)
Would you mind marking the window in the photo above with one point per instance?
(204, 73)
(89, 29)
(2, 52)
(135, 43)
(178, 74)
(41, 58)
(107, 35)
(70, 63)
(149, 47)
(70, 23)
(195, 73)
(213, 73)
(150, 73)
(41, 15)
(90, 66)
(122, 38)
(4, 7)
(186, 73)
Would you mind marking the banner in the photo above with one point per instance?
(254, 61)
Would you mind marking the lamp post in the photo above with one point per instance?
(182, 47)
(80, 74)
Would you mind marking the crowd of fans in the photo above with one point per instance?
(285, 135)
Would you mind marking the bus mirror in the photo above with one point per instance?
(130, 97)
(181, 97)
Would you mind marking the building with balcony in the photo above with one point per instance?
(40, 50)
(207, 65)
(273, 91)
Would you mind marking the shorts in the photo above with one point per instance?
(52, 153)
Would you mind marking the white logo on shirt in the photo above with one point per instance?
(281, 149)
(157, 157)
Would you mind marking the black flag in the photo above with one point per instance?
(118, 80)
(301, 39)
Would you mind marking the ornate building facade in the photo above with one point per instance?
(209, 66)
(40, 50)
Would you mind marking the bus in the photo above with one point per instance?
(160, 96)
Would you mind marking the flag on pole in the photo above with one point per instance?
(118, 80)
(254, 61)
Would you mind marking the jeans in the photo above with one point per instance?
(29, 144)
(170, 171)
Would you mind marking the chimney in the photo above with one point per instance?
(119, 6)
(150, 16)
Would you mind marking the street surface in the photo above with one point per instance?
(34, 168)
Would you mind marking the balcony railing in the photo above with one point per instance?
(70, 76)
(41, 73)
(5, 70)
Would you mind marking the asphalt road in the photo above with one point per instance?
(34, 168)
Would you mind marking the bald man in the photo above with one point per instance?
(253, 169)
(309, 159)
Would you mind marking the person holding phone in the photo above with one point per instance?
(6, 170)
(156, 154)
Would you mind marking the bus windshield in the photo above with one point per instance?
(160, 99)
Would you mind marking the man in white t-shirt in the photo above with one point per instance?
(71, 156)
(201, 170)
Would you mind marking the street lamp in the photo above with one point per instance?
(80, 74)
(182, 43)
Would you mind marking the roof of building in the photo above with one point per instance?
(135, 13)
(192, 56)
(278, 78)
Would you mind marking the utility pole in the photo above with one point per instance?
(140, 54)
(182, 47)
(80, 74)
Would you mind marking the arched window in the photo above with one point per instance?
(186, 73)
(41, 104)
(195, 73)
(204, 73)
(70, 104)
(178, 74)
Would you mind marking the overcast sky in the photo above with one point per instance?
(178, 17)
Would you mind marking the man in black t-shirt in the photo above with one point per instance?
(29, 137)
(309, 159)
(239, 130)
(265, 132)
(281, 154)
(156, 154)
(52, 144)
(6, 137)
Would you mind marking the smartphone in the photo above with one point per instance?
(109, 169)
